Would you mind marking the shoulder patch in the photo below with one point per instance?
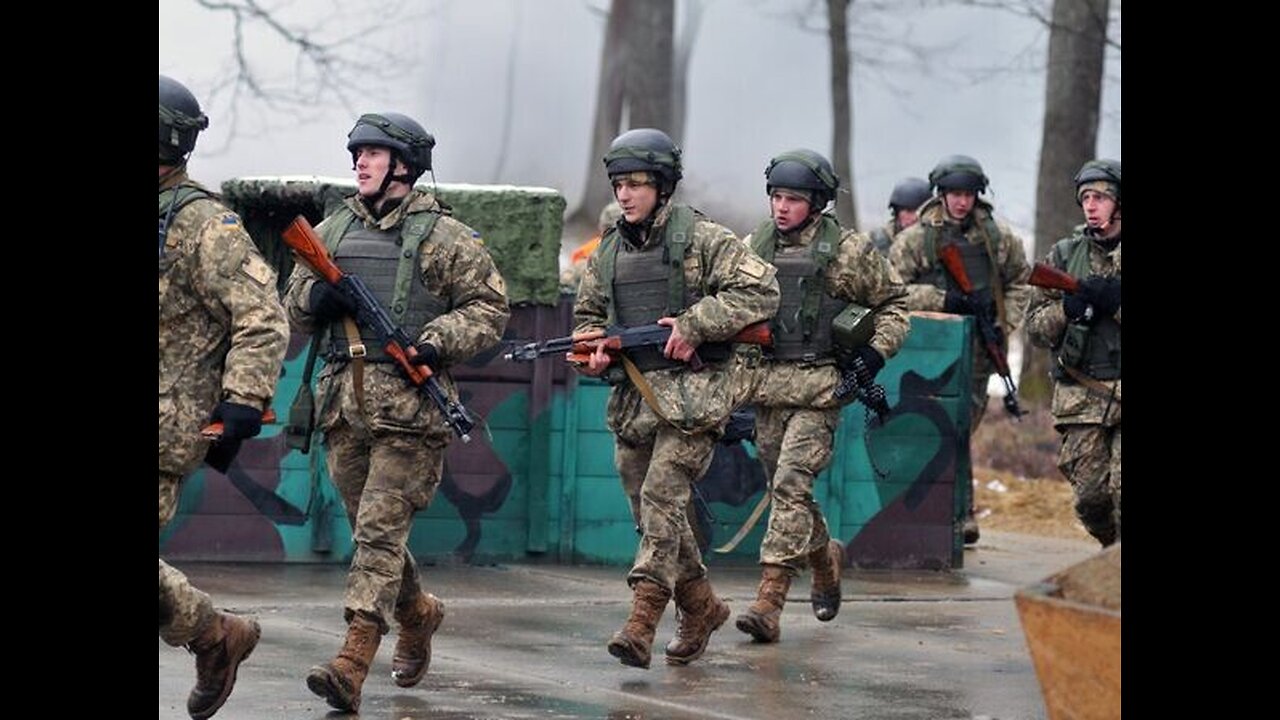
(257, 268)
(230, 219)
(752, 265)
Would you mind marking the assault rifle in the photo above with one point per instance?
(578, 348)
(370, 314)
(991, 336)
(1047, 276)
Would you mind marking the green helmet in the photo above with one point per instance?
(1100, 170)
(647, 150)
(909, 194)
(958, 172)
(409, 142)
(180, 121)
(803, 169)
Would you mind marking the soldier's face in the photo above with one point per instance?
(906, 218)
(1099, 209)
(959, 203)
(790, 209)
(372, 164)
(637, 199)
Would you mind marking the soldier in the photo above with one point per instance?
(223, 336)
(572, 275)
(904, 202)
(385, 440)
(796, 412)
(665, 262)
(993, 256)
(1083, 331)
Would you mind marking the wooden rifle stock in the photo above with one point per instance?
(1047, 276)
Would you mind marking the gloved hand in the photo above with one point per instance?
(427, 355)
(1074, 307)
(871, 359)
(956, 303)
(328, 303)
(1103, 293)
(979, 303)
(741, 426)
(238, 422)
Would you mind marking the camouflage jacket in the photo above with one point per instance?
(1073, 403)
(223, 333)
(738, 289)
(858, 273)
(908, 256)
(454, 264)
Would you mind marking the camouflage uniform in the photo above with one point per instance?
(796, 413)
(659, 460)
(386, 458)
(1088, 418)
(926, 284)
(223, 337)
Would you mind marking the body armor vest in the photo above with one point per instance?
(1092, 349)
(977, 260)
(802, 325)
(383, 259)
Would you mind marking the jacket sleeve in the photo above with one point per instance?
(738, 287)
(906, 254)
(235, 282)
(462, 270)
(864, 276)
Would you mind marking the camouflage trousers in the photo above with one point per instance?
(184, 610)
(1090, 459)
(383, 478)
(658, 477)
(795, 445)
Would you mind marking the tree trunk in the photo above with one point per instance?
(610, 91)
(693, 10)
(649, 93)
(1073, 97)
(841, 113)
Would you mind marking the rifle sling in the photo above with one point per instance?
(1090, 384)
(646, 391)
(750, 522)
(356, 350)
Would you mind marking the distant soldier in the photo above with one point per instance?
(223, 337)
(904, 203)
(666, 263)
(1082, 329)
(384, 439)
(796, 411)
(994, 259)
(572, 275)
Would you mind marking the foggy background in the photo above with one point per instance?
(476, 71)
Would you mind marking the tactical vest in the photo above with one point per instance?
(1092, 349)
(387, 261)
(648, 284)
(978, 257)
(173, 200)
(802, 325)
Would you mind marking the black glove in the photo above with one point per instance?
(238, 421)
(1103, 293)
(1074, 307)
(741, 426)
(979, 303)
(871, 359)
(956, 303)
(427, 355)
(328, 303)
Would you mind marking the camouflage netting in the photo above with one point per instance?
(521, 226)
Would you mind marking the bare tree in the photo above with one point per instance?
(634, 88)
(1073, 96)
(841, 112)
(691, 23)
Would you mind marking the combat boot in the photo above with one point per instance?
(763, 618)
(825, 592)
(700, 613)
(419, 619)
(339, 680)
(633, 643)
(224, 643)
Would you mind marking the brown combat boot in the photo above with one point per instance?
(418, 620)
(339, 680)
(825, 593)
(633, 643)
(762, 619)
(700, 613)
(221, 646)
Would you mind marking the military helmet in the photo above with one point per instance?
(803, 169)
(408, 140)
(909, 194)
(1100, 170)
(958, 172)
(180, 120)
(645, 149)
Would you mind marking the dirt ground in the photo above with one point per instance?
(1019, 487)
